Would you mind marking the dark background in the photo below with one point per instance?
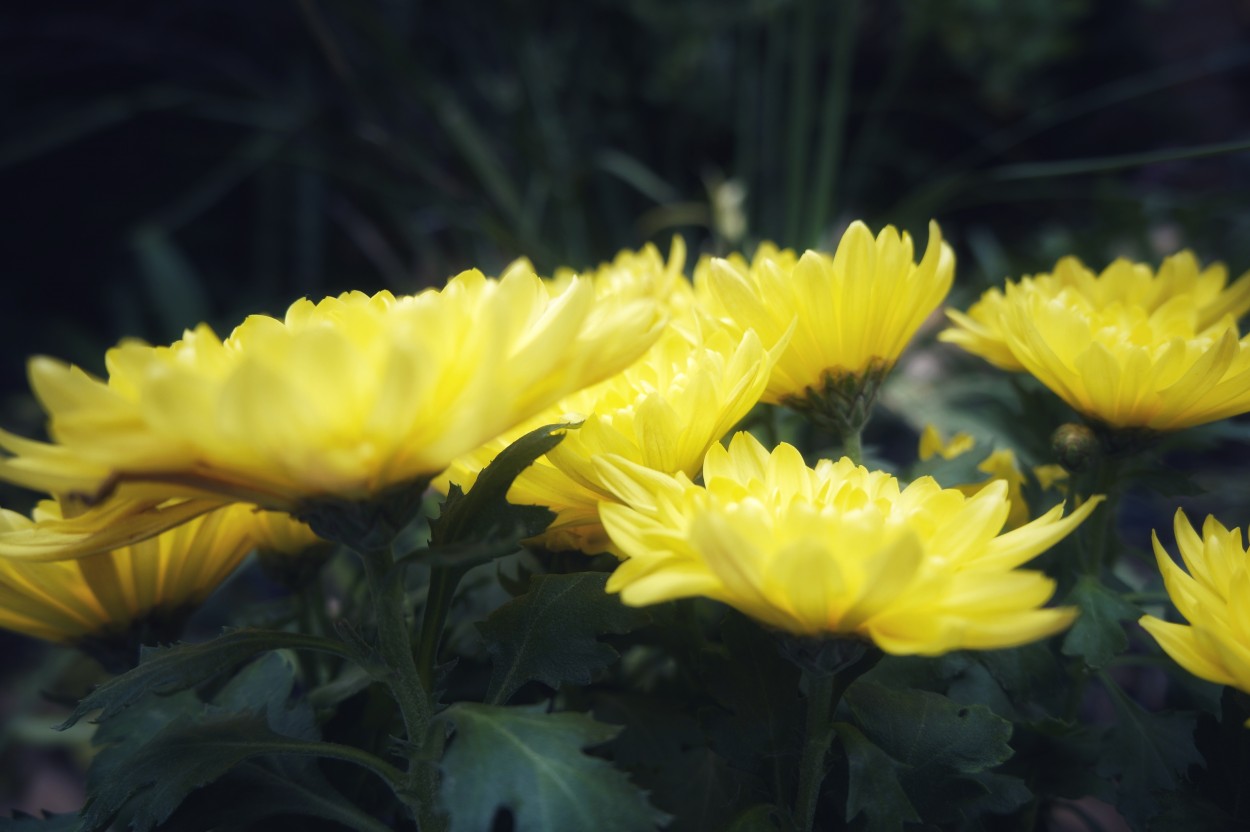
(163, 163)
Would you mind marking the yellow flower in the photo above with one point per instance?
(340, 400)
(835, 550)
(1127, 348)
(1212, 597)
(1123, 283)
(106, 594)
(663, 413)
(852, 312)
(640, 274)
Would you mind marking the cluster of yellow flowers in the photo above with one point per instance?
(161, 471)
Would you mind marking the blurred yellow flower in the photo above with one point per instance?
(1127, 348)
(640, 274)
(1212, 597)
(1000, 465)
(108, 593)
(342, 399)
(835, 550)
(662, 413)
(847, 315)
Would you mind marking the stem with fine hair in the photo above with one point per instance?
(853, 445)
(444, 581)
(395, 649)
(824, 691)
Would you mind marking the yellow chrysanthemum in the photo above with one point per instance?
(107, 593)
(640, 274)
(663, 413)
(342, 399)
(834, 550)
(1127, 348)
(1212, 597)
(1123, 283)
(852, 312)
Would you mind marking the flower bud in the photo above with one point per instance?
(1076, 447)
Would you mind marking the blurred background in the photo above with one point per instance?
(163, 163)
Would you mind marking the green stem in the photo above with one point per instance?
(443, 583)
(853, 446)
(824, 692)
(1101, 553)
(815, 747)
(395, 649)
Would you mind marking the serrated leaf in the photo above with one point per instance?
(550, 634)
(168, 670)
(1058, 758)
(873, 786)
(483, 514)
(1097, 636)
(1148, 753)
(942, 746)
(532, 764)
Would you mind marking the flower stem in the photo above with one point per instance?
(395, 650)
(853, 446)
(820, 705)
(824, 692)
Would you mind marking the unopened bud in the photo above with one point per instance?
(1076, 447)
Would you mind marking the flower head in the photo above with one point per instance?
(835, 549)
(662, 413)
(847, 314)
(1127, 348)
(1211, 596)
(107, 594)
(340, 400)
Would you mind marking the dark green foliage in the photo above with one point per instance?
(167, 670)
(533, 765)
(22, 822)
(1098, 634)
(550, 634)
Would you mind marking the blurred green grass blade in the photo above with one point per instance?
(799, 125)
(637, 175)
(1105, 164)
(175, 290)
(87, 120)
(832, 137)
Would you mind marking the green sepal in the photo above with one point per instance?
(1097, 636)
(166, 670)
(550, 634)
(532, 764)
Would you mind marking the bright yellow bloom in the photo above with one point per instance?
(342, 399)
(1123, 283)
(852, 312)
(1212, 597)
(835, 550)
(105, 594)
(640, 274)
(663, 413)
(1127, 348)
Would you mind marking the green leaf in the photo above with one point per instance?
(1097, 635)
(167, 670)
(531, 764)
(550, 634)
(941, 747)
(1147, 753)
(873, 786)
(759, 818)
(158, 756)
(484, 514)
(760, 690)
